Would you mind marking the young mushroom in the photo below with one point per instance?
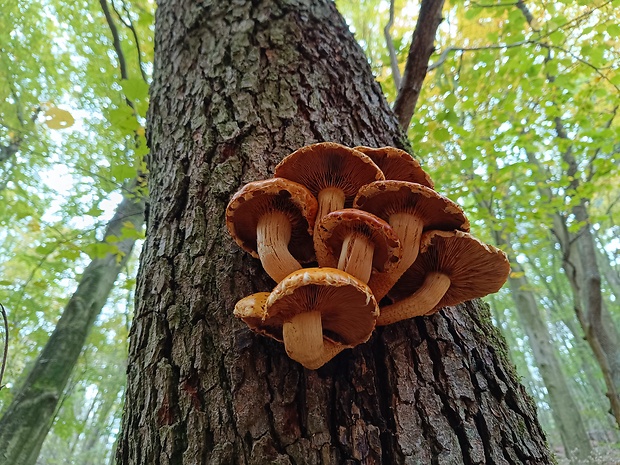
(322, 311)
(273, 220)
(410, 209)
(397, 165)
(452, 267)
(332, 172)
(355, 241)
(251, 310)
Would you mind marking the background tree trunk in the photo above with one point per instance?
(565, 411)
(30, 415)
(237, 86)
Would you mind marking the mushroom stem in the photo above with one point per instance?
(356, 256)
(273, 234)
(330, 350)
(408, 228)
(330, 199)
(420, 303)
(303, 337)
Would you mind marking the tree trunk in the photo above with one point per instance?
(27, 420)
(579, 263)
(564, 409)
(237, 86)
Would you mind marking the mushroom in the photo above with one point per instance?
(273, 220)
(251, 310)
(409, 208)
(354, 241)
(452, 267)
(322, 311)
(332, 172)
(397, 165)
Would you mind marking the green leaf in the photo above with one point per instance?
(441, 134)
(135, 89)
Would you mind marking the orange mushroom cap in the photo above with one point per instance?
(475, 269)
(335, 227)
(328, 164)
(347, 306)
(398, 165)
(385, 198)
(277, 194)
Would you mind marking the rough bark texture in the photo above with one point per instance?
(237, 86)
(27, 420)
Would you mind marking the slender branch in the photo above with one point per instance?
(116, 41)
(5, 352)
(588, 64)
(492, 5)
(129, 25)
(444, 55)
(529, 17)
(422, 47)
(390, 47)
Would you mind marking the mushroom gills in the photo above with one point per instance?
(424, 300)
(273, 234)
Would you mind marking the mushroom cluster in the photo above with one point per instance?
(341, 229)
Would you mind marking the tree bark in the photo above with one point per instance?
(237, 86)
(29, 416)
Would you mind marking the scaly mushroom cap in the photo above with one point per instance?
(327, 164)
(348, 308)
(335, 227)
(385, 198)
(397, 165)
(277, 194)
(475, 269)
(251, 310)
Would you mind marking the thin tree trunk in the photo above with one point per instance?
(238, 85)
(27, 420)
(564, 409)
(579, 263)
(611, 275)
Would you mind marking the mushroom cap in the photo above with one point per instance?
(251, 310)
(336, 226)
(385, 198)
(397, 165)
(276, 194)
(475, 269)
(348, 307)
(328, 164)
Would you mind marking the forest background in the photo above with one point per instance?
(516, 120)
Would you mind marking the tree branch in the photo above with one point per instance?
(5, 352)
(390, 47)
(129, 25)
(422, 47)
(116, 41)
